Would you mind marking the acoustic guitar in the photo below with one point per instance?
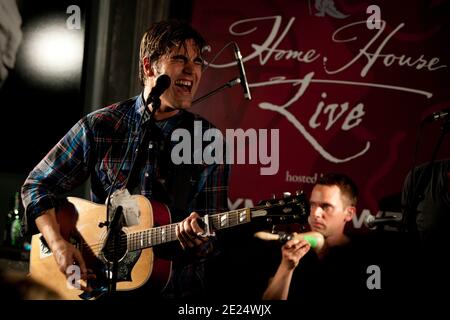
(80, 222)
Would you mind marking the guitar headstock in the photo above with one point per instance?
(286, 209)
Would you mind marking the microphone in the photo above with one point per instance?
(243, 77)
(437, 115)
(162, 84)
(372, 222)
(315, 239)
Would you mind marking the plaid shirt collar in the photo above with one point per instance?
(166, 125)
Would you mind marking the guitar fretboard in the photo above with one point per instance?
(163, 234)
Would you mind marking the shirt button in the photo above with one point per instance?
(150, 145)
(146, 174)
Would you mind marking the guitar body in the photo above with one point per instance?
(79, 221)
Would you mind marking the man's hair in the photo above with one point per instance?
(344, 183)
(162, 36)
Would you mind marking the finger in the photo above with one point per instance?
(80, 260)
(179, 236)
(181, 233)
(302, 250)
(64, 268)
(291, 243)
(297, 243)
(84, 286)
(177, 230)
(187, 231)
(190, 224)
(194, 215)
(194, 223)
(62, 261)
(196, 228)
(184, 240)
(306, 247)
(185, 227)
(301, 243)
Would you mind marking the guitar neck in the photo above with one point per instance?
(163, 234)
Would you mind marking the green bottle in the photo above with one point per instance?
(16, 223)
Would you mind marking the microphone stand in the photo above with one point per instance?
(113, 238)
(115, 226)
(229, 84)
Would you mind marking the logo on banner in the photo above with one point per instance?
(341, 115)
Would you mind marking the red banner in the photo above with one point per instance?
(346, 84)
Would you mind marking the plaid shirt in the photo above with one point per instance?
(95, 147)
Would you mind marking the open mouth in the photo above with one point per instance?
(184, 85)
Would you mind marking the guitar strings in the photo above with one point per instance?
(155, 240)
(97, 248)
(124, 238)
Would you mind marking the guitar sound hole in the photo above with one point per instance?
(112, 250)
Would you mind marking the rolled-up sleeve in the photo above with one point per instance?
(64, 168)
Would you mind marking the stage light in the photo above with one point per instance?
(53, 53)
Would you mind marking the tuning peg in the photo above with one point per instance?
(273, 196)
(286, 194)
(298, 192)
